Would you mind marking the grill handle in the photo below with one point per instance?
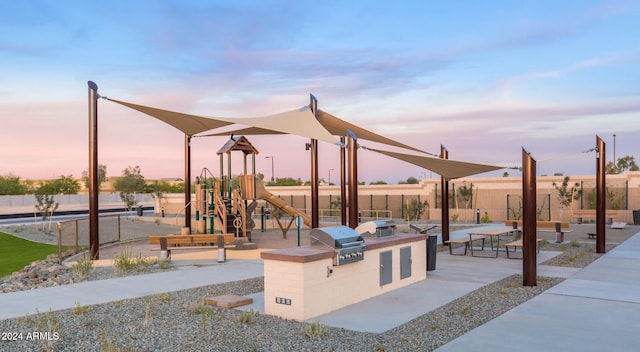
(351, 244)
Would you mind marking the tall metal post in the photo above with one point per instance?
(352, 146)
(94, 191)
(444, 198)
(601, 185)
(187, 182)
(529, 268)
(343, 181)
(315, 204)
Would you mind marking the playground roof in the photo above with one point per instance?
(300, 122)
(240, 143)
(449, 169)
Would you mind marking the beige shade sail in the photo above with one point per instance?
(189, 124)
(339, 127)
(332, 124)
(299, 122)
(449, 169)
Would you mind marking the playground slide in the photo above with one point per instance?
(262, 193)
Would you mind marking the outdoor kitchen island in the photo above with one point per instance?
(305, 282)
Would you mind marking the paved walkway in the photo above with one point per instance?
(595, 309)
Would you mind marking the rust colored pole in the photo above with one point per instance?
(315, 204)
(352, 146)
(94, 191)
(187, 182)
(600, 196)
(444, 196)
(343, 182)
(529, 267)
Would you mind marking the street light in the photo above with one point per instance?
(330, 176)
(271, 157)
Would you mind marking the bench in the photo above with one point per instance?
(422, 230)
(466, 241)
(559, 227)
(518, 244)
(579, 214)
(189, 242)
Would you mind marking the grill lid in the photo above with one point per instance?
(336, 237)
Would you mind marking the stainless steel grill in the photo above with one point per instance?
(347, 244)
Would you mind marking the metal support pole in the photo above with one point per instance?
(444, 194)
(187, 182)
(601, 157)
(353, 180)
(94, 191)
(343, 182)
(528, 220)
(315, 221)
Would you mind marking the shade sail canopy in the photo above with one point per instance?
(449, 169)
(332, 124)
(299, 122)
(189, 124)
(339, 127)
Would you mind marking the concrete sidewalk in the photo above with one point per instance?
(597, 309)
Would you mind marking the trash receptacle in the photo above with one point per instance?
(432, 249)
(139, 210)
(636, 217)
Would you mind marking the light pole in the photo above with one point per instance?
(271, 157)
(330, 176)
(614, 150)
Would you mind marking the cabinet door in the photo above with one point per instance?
(405, 262)
(386, 268)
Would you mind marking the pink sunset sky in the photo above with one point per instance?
(484, 80)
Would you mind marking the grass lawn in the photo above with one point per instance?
(16, 253)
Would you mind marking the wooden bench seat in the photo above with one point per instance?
(191, 239)
(189, 242)
(591, 213)
(466, 241)
(518, 244)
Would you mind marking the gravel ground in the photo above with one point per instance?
(179, 321)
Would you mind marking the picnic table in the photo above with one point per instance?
(490, 233)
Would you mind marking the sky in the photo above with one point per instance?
(485, 79)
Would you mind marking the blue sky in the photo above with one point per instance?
(483, 78)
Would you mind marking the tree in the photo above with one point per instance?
(285, 181)
(11, 185)
(102, 175)
(411, 181)
(626, 163)
(415, 209)
(130, 183)
(45, 201)
(465, 193)
(378, 183)
(64, 185)
(567, 195)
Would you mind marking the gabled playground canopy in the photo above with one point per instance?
(449, 169)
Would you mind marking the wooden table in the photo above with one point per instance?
(490, 233)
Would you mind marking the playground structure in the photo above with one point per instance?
(226, 207)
